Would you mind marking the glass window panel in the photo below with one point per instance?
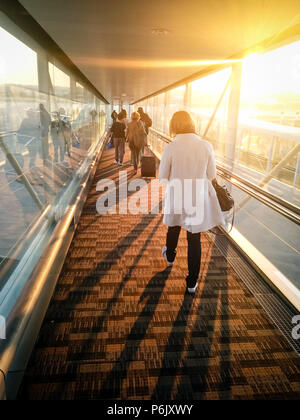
(12, 53)
(18, 89)
(205, 94)
(103, 109)
(276, 237)
(79, 92)
(159, 112)
(269, 125)
(271, 86)
(175, 102)
(60, 81)
(267, 151)
(149, 108)
(44, 140)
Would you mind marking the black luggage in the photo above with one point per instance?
(148, 167)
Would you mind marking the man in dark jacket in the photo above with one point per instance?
(29, 136)
(146, 120)
(114, 116)
(118, 132)
(45, 120)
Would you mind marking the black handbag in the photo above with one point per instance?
(225, 198)
(226, 202)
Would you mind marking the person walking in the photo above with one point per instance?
(114, 116)
(136, 137)
(145, 119)
(29, 136)
(188, 168)
(58, 140)
(66, 130)
(124, 118)
(118, 132)
(45, 120)
(126, 121)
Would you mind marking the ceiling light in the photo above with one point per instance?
(124, 94)
(160, 31)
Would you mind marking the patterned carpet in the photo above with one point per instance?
(120, 325)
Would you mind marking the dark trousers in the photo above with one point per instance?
(45, 148)
(59, 152)
(136, 156)
(34, 150)
(194, 252)
(119, 149)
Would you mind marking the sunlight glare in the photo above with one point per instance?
(149, 64)
(2, 70)
(14, 54)
(271, 82)
(273, 72)
(252, 59)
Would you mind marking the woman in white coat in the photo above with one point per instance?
(188, 167)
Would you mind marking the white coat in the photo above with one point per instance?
(190, 162)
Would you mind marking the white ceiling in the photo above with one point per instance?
(112, 43)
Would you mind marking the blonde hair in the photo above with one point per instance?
(181, 123)
(135, 116)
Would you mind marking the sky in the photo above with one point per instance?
(272, 73)
(18, 63)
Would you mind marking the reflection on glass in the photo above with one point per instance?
(44, 140)
(12, 53)
(79, 92)
(60, 81)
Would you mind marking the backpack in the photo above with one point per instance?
(139, 136)
(148, 121)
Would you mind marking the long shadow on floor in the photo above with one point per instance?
(98, 323)
(191, 373)
(171, 367)
(74, 297)
(112, 386)
(212, 323)
(119, 183)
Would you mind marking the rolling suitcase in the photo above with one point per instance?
(148, 167)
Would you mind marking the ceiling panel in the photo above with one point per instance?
(113, 44)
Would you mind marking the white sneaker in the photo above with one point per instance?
(193, 289)
(116, 162)
(164, 254)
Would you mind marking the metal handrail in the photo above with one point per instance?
(283, 203)
(283, 211)
(278, 204)
(164, 137)
(30, 233)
